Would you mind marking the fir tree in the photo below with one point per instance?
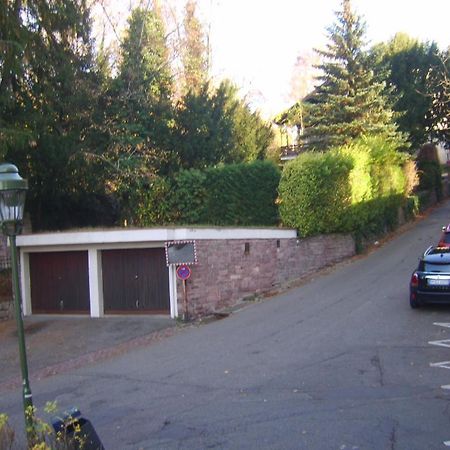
(348, 102)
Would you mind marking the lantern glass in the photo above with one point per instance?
(12, 203)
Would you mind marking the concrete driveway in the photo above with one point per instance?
(59, 343)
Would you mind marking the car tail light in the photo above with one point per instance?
(415, 280)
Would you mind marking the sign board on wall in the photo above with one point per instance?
(181, 253)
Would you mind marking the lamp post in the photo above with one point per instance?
(12, 201)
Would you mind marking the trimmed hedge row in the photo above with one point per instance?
(312, 192)
(357, 188)
(231, 195)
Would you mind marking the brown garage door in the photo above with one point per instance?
(135, 280)
(59, 282)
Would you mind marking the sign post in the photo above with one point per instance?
(182, 254)
(183, 273)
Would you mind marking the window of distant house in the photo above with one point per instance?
(247, 248)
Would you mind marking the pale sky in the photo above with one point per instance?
(256, 42)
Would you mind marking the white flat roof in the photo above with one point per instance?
(129, 236)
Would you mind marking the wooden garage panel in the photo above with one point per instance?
(59, 282)
(135, 280)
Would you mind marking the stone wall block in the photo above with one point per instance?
(226, 273)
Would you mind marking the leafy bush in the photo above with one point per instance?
(189, 197)
(379, 170)
(151, 205)
(385, 176)
(429, 169)
(234, 194)
(242, 194)
(42, 436)
(7, 434)
(357, 188)
(315, 192)
(430, 177)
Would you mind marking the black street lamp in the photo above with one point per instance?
(12, 201)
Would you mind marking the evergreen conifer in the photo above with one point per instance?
(349, 101)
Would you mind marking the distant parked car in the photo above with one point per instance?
(445, 237)
(430, 282)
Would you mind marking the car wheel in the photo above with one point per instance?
(413, 302)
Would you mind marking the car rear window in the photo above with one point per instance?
(429, 267)
(446, 238)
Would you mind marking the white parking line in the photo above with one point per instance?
(443, 343)
(443, 364)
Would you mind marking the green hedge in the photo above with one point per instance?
(430, 177)
(314, 191)
(235, 194)
(357, 188)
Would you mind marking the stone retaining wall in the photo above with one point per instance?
(230, 270)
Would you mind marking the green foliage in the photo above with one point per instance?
(203, 129)
(215, 126)
(387, 172)
(93, 142)
(152, 205)
(48, 87)
(355, 188)
(429, 171)
(7, 434)
(41, 436)
(138, 115)
(144, 70)
(378, 168)
(430, 177)
(80, 209)
(252, 137)
(314, 192)
(234, 194)
(242, 194)
(412, 68)
(411, 207)
(192, 198)
(349, 102)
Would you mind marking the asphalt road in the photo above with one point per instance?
(341, 362)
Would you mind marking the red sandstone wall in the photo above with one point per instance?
(226, 273)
